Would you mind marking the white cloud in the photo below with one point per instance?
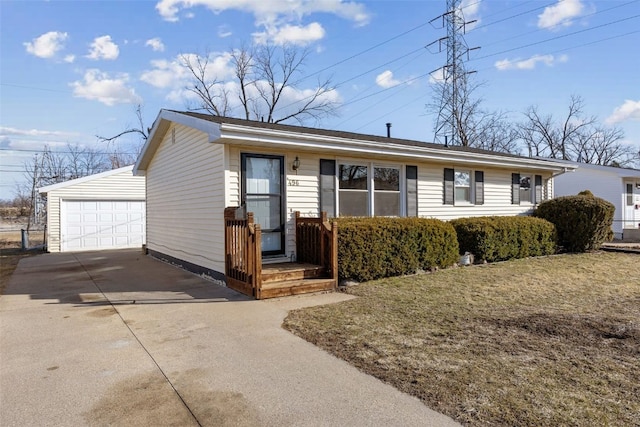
(8, 131)
(156, 44)
(386, 80)
(269, 12)
(99, 86)
(291, 34)
(560, 14)
(47, 44)
(69, 58)
(224, 31)
(471, 12)
(103, 48)
(174, 75)
(629, 110)
(164, 74)
(530, 63)
(279, 20)
(437, 76)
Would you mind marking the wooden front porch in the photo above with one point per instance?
(315, 269)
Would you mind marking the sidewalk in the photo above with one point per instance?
(121, 339)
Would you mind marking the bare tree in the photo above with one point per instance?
(575, 137)
(475, 126)
(544, 136)
(50, 167)
(243, 62)
(265, 85)
(213, 96)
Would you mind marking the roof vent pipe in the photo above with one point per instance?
(388, 130)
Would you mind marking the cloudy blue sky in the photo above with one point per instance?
(71, 70)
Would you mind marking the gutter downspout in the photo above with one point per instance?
(564, 170)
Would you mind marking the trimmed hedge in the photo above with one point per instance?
(373, 248)
(499, 238)
(583, 221)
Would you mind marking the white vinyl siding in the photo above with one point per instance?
(186, 198)
(116, 186)
(497, 194)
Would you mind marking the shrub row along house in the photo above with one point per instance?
(197, 165)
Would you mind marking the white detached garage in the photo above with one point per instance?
(96, 212)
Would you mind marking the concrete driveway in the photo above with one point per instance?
(118, 338)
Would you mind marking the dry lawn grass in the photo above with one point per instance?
(544, 341)
(11, 254)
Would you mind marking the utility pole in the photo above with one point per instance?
(449, 125)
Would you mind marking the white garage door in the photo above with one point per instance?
(102, 224)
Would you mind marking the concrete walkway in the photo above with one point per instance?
(117, 338)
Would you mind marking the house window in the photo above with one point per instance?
(386, 191)
(370, 189)
(353, 190)
(629, 194)
(525, 188)
(463, 187)
(462, 184)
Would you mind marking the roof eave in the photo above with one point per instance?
(271, 137)
(160, 127)
(46, 189)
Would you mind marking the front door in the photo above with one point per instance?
(262, 194)
(629, 206)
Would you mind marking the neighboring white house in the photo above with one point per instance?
(619, 186)
(101, 211)
(196, 165)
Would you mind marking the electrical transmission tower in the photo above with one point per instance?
(452, 80)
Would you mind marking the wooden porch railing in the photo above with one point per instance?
(243, 254)
(317, 243)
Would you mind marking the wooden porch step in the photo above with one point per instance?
(295, 287)
(290, 271)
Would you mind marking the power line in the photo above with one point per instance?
(362, 52)
(405, 105)
(35, 88)
(542, 29)
(25, 150)
(513, 16)
(578, 46)
(558, 37)
(491, 67)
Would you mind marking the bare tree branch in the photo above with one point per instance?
(576, 137)
(265, 85)
(140, 130)
(475, 126)
(211, 93)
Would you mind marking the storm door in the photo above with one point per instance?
(629, 206)
(262, 194)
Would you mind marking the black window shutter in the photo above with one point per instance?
(479, 182)
(412, 190)
(328, 187)
(538, 183)
(448, 186)
(515, 188)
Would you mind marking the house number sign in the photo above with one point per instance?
(293, 182)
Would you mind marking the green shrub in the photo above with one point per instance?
(583, 222)
(373, 248)
(499, 238)
(586, 193)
